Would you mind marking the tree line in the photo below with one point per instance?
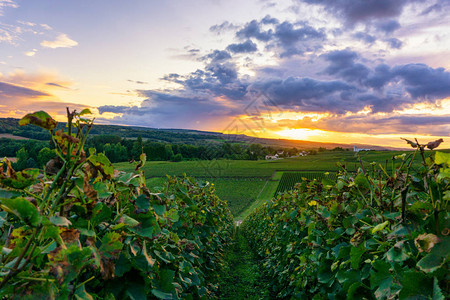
(119, 149)
(35, 153)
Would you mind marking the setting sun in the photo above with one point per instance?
(301, 133)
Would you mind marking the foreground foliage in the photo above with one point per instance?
(83, 230)
(363, 236)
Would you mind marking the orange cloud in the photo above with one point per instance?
(22, 93)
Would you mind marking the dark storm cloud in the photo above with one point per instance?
(253, 30)
(269, 20)
(422, 81)
(423, 120)
(217, 56)
(360, 11)
(388, 26)
(419, 80)
(307, 94)
(246, 47)
(365, 37)
(334, 96)
(342, 64)
(354, 86)
(288, 35)
(379, 77)
(157, 103)
(225, 73)
(114, 109)
(394, 43)
(163, 103)
(291, 38)
(215, 80)
(339, 60)
(11, 90)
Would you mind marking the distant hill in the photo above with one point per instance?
(300, 144)
(10, 126)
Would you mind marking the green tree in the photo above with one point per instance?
(136, 150)
(169, 152)
(31, 163)
(338, 149)
(115, 152)
(44, 156)
(177, 157)
(22, 157)
(255, 151)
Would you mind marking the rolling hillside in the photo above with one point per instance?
(186, 136)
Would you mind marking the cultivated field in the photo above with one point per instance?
(246, 184)
(12, 137)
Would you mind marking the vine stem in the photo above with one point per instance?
(86, 281)
(37, 279)
(52, 186)
(16, 267)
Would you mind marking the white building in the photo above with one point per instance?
(272, 157)
(356, 149)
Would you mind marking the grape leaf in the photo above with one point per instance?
(39, 118)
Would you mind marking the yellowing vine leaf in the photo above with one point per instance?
(39, 118)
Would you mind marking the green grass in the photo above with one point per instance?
(241, 276)
(267, 193)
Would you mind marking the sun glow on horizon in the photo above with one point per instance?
(325, 136)
(301, 133)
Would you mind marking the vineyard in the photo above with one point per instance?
(367, 235)
(81, 229)
(289, 179)
(239, 192)
(321, 162)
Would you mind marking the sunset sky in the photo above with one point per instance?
(349, 71)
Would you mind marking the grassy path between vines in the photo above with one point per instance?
(241, 277)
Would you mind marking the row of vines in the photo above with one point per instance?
(82, 230)
(289, 179)
(376, 234)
